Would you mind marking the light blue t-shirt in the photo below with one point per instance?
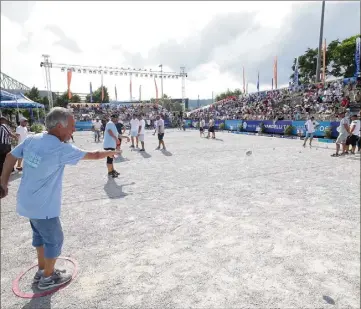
(109, 141)
(40, 191)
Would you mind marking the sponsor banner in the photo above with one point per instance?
(188, 123)
(299, 126)
(271, 127)
(276, 127)
(217, 123)
(83, 125)
(232, 123)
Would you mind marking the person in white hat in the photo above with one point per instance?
(22, 133)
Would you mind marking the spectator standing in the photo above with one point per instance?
(22, 134)
(5, 141)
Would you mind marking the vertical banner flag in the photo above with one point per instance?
(295, 76)
(258, 82)
(324, 62)
(156, 90)
(244, 83)
(130, 88)
(272, 83)
(69, 82)
(116, 93)
(358, 56)
(91, 93)
(140, 93)
(275, 72)
(102, 88)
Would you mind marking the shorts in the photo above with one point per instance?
(309, 135)
(109, 159)
(49, 234)
(133, 133)
(160, 136)
(141, 137)
(341, 139)
(352, 140)
(211, 129)
(201, 129)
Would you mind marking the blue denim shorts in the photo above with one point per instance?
(49, 234)
(309, 135)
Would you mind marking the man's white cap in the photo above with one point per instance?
(23, 119)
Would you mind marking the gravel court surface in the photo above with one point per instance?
(202, 225)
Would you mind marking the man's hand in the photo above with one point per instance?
(3, 191)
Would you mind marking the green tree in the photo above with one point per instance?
(307, 64)
(228, 93)
(33, 95)
(342, 57)
(97, 96)
(340, 61)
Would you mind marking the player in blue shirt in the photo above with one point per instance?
(39, 196)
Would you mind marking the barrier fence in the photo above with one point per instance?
(271, 127)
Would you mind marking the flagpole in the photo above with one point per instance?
(318, 68)
(324, 62)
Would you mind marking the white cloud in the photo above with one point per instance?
(96, 27)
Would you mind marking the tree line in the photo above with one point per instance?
(340, 61)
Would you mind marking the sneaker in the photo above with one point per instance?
(38, 275)
(142, 150)
(157, 148)
(115, 172)
(56, 279)
(112, 174)
(131, 146)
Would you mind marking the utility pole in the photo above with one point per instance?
(318, 68)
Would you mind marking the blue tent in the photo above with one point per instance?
(9, 100)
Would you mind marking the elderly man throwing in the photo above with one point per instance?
(39, 197)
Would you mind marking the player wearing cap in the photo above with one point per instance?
(22, 133)
(97, 125)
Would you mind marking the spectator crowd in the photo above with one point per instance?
(324, 102)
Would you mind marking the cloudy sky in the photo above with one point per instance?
(213, 40)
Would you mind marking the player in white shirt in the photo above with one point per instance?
(155, 126)
(310, 127)
(22, 134)
(202, 124)
(160, 129)
(355, 134)
(97, 125)
(141, 131)
(134, 127)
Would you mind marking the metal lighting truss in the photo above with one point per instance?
(114, 71)
(9, 83)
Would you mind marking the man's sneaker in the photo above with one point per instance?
(131, 146)
(56, 279)
(164, 149)
(157, 148)
(38, 275)
(142, 150)
(112, 174)
(115, 172)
